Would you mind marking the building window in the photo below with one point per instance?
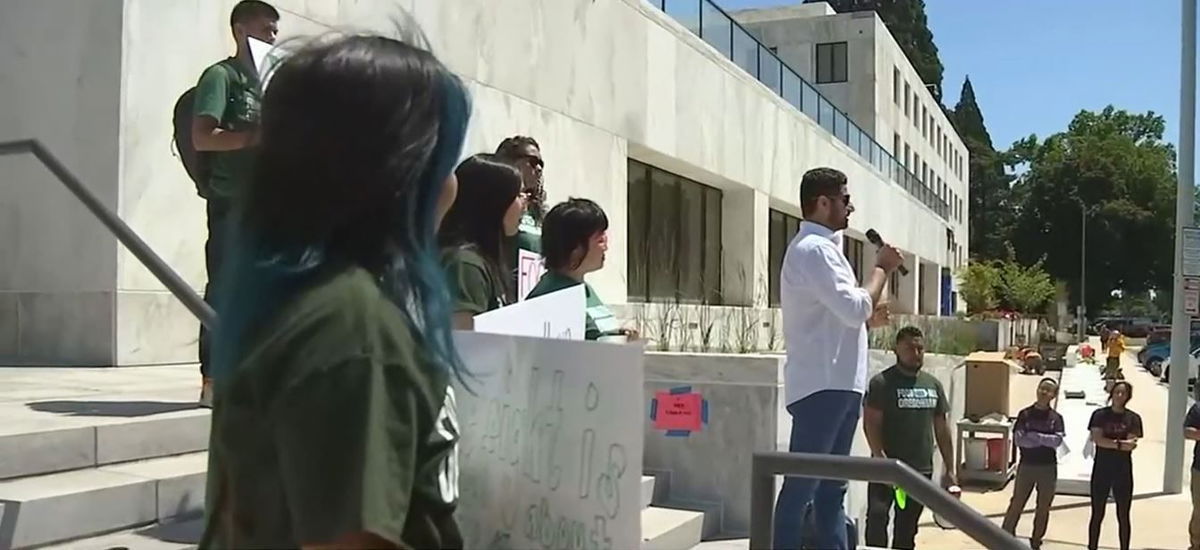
(896, 86)
(924, 122)
(831, 63)
(908, 157)
(896, 150)
(908, 101)
(674, 230)
(783, 228)
(894, 284)
(853, 249)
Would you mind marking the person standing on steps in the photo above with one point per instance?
(1191, 430)
(904, 412)
(1116, 347)
(225, 128)
(1038, 432)
(1115, 432)
(524, 153)
(825, 316)
(474, 237)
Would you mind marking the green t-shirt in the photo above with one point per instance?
(599, 320)
(909, 404)
(529, 234)
(229, 93)
(335, 421)
(473, 288)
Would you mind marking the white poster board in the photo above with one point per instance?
(550, 452)
(530, 269)
(556, 315)
(265, 57)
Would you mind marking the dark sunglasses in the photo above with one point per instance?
(534, 161)
(844, 198)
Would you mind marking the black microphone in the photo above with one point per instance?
(873, 236)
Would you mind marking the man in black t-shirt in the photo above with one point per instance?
(904, 410)
(1191, 430)
(1038, 431)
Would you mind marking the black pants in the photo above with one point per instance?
(218, 216)
(1111, 475)
(880, 502)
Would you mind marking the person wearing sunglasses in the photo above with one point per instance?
(524, 154)
(825, 316)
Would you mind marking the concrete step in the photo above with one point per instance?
(670, 529)
(647, 491)
(59, 446)
(744, 544)
(45, 509)
(170, 536)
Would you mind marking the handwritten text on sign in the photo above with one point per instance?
(551, 448)
(678, 411)
(530, 269)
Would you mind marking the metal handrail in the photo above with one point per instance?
(766, 465)
(135, 244)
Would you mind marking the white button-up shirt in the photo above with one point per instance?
(825, 316)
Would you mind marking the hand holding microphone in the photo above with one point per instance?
(888, 258)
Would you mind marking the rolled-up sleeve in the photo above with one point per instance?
(832, 285)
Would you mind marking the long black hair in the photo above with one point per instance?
(487, 188)
(358, 136)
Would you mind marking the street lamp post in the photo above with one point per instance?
(1082, 273)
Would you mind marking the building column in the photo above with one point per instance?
(905, 300)
(745, 222)
(931, 288)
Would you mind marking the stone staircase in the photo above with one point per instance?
(59, 484)
(107, 468)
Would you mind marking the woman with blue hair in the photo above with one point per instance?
(334, 422)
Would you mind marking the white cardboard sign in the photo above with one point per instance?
(530, 269)
(556, 315)
(551, 446)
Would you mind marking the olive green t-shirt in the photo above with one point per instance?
(335, 421)
(473, 288)
(909, 404)
(229, 93)
(598, 321)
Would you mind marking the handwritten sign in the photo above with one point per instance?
(530, 269)
(556, 315)
(551, 444)
(679, 411)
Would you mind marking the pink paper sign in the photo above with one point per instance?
(679, 411)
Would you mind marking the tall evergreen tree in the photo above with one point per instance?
(907, 22)
(991, 216)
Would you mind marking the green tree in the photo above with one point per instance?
(1026, 289)
(1115, 168)
(977, 283)
(991, 196)
(907, 22)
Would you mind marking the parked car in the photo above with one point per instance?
(1152, 355)
(1193, 367)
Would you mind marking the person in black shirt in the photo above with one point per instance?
(1115, 431)
(1038, 432)
(1191, 430)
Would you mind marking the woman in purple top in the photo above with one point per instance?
(1038, 432)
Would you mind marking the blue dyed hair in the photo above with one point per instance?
(358, 136)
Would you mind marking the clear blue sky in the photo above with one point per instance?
(1035, 63)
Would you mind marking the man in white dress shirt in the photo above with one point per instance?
(825, 316)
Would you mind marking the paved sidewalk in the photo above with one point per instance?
(1159, 521)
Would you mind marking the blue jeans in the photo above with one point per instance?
(824, 423)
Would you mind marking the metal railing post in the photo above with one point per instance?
(167, 276)
(762, 505)
(765, 465)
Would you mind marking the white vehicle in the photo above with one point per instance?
(1193, 366)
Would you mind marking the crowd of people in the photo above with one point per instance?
(346, 241)
(904, 410)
